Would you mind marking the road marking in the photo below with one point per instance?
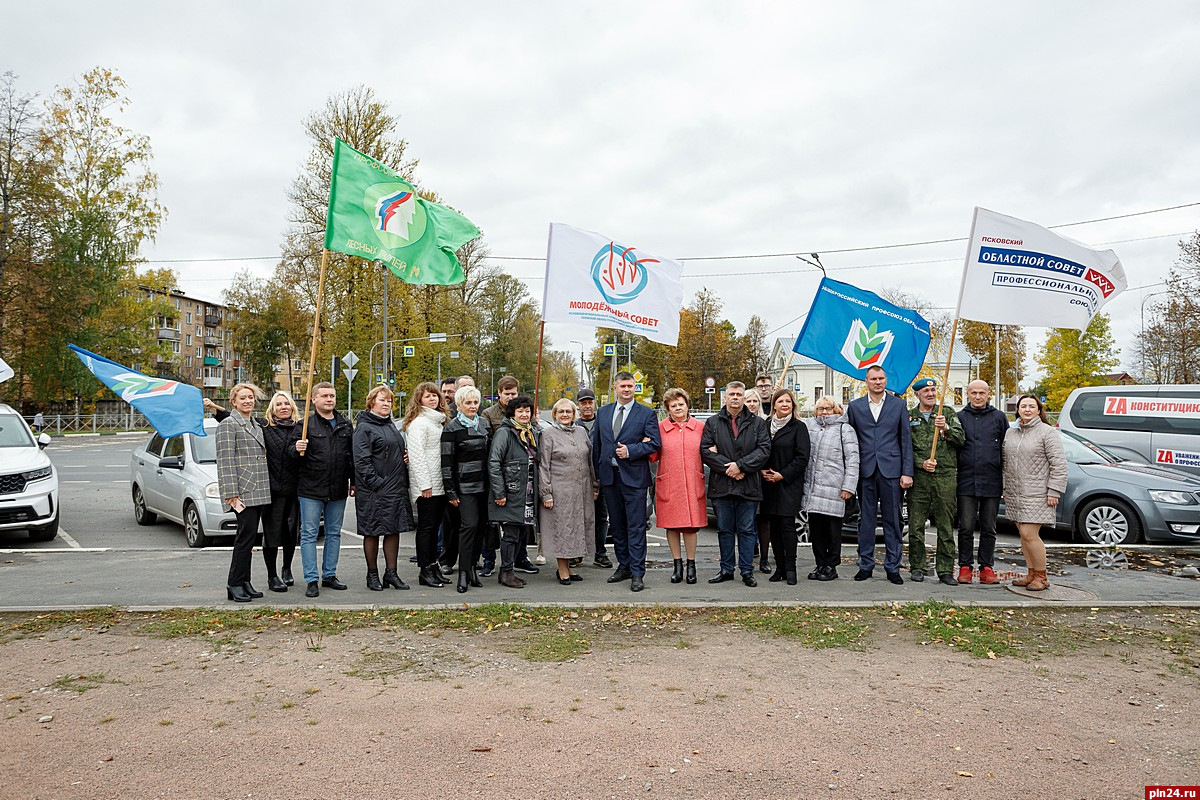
(115, 466)
(9, 551)
(76, 481)
(66, 537)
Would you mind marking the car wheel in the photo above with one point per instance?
(802, 532)
(192, 527)
(1108, 521)
(141, 514)
(45, 533)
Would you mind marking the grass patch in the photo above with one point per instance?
(984, 633)
(80, 683)
(818, 628)
(384, 664)
(21, 625)
(555, 646)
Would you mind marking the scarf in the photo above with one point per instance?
(777, 424)
(568, 428)
(525, 433)
(471, 424)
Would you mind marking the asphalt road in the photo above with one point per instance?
(102, 557)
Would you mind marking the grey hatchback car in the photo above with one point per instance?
(1110, 501)
(176, 478)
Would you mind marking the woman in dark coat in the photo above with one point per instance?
(783, 482)
(381, 502)
(465, 440)
(513, 482)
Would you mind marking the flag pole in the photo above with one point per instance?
(945, 382)
(783, 375)
(537, 380)
(312, 353)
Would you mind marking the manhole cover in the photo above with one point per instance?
(1057, 593)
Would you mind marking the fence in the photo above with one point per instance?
(129, 420)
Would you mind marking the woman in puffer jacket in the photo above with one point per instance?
(381, 502)
(1035, 476)
(830, 480)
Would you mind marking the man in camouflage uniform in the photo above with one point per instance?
(934, 493)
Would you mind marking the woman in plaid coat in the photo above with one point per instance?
(244, 483)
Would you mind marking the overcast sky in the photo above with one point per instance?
(689, 129)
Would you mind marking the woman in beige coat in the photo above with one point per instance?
(568, 488)
(1035, 476)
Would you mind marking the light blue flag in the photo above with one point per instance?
(170, 406)
(850, 330)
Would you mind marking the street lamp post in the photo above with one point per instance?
(1142, 335)
(582, 370)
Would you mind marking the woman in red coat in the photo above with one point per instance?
(679, 487)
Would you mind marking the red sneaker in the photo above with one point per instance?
(964, 574)
(987, 575)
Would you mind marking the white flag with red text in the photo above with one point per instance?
(1019, 273)
(595, 280)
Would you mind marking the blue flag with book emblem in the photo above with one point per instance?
(170, 406)
(851, 330)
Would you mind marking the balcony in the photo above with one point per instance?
(212, 320)
(212, 361)
(213, 341)
(213, 383)
(167, 333)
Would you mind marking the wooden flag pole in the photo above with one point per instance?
(312, 353)
(537, 380)
(945, 382)
(783, 375)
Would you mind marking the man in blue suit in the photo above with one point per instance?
(885, 468)
(624, 436)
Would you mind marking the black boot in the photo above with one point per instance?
(677, 574)
(237, 594)
(390, 578)
(777, 575)
(473, 578)
(288, 580)
(691, 571)
(463, 581)
(436, 569)
(427, 577)
(373, 581)
(250, 590)
(791, 577)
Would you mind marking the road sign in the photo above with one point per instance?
(637, 388)
(610, 349)
(639, 377)
(454, 354)
(349, 372)
(710, 390)
(437, 338)
(350, 359)
(378, 377)
(409, 351)
(710, 382)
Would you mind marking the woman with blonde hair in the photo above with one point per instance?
(830, 479)
(568, 489)
(423, 423)
(244, 484)
(381, 503)
(465, 441)
(1035, 476)
(783, 482)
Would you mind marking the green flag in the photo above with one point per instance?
(376, 214)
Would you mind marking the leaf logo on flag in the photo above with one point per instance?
(867, 346)
(398, 214)
(134, 386)
(619, 274)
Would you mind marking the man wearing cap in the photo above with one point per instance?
(587, 420)
(934, 493)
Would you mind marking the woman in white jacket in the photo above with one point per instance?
(422, 427)
(831, 480)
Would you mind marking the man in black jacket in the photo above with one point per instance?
(735, 445)
(326, 477)
(980, 481)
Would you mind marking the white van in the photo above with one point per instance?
(1152, 424)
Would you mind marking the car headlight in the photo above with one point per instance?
(38, 474)
(212, 490)
(1174, 498)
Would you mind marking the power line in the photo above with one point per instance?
(773, 255)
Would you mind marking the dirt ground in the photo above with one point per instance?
(693, 709)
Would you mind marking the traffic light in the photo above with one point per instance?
(392, 380)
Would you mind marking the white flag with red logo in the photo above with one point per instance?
(596, 280)
(1019, 273)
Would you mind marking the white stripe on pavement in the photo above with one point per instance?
(66, 537)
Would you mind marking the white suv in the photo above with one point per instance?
(28, 481)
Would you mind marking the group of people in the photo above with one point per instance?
(481, 487)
